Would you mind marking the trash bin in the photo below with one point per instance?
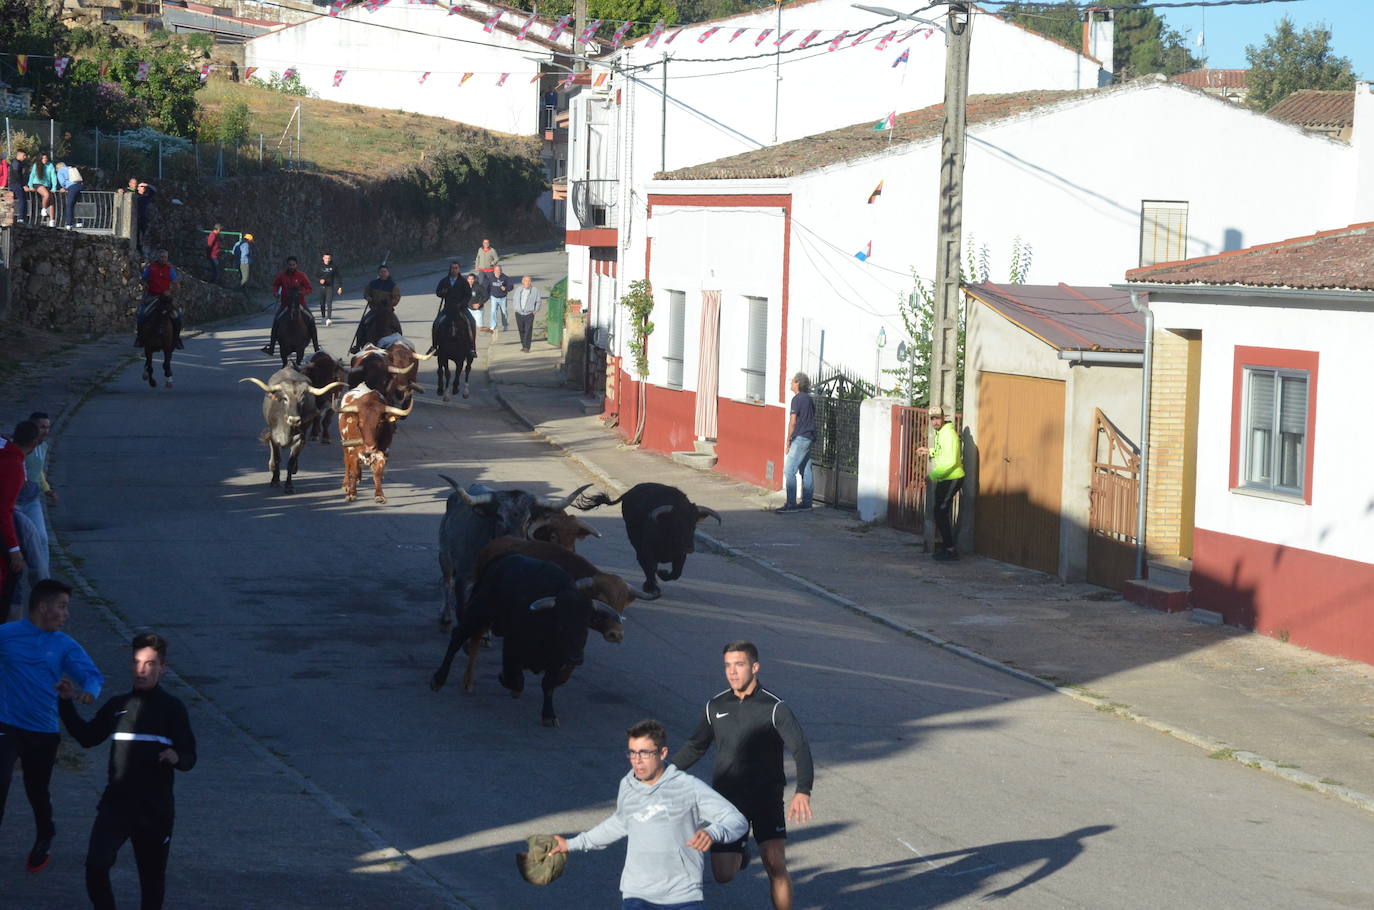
(557, 303)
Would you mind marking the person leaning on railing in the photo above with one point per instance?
(69, 179)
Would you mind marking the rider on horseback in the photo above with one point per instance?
(455, 292)
(294, 290)
(382, 294)
(160, 281)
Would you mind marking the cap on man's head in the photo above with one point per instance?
(936, 411)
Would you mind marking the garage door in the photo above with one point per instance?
(1020, 439)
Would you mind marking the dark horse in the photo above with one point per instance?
(453, 340)
(378, 322)
(294, 330)
(158, 333)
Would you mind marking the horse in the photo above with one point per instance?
(294, 331)
(158, 333)
(453, 341)
(378, 322)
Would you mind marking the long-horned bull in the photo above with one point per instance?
(367, 425)
(661, 523)
(543, 615)
(323, 369)
(288, 408)
(403, 365)
(475, 516)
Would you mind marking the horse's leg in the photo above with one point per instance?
(167, 364)
(148, 367)
(467, 374)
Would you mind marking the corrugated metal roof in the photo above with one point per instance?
(1210, 78)
(1068, 318)
(1342, 259)
(1311, 107)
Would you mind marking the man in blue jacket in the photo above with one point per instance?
(34, 656)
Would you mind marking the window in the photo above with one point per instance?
(1163, 231)
(677, 323)
(1275, 429)
(756, 369)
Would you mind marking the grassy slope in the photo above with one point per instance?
(344, 139)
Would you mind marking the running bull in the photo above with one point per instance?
(661, 523)
(289, 406)
(367, 425)
(542, 615)
(476, 516)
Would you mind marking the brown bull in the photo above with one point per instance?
(403, 365)
(367, 425)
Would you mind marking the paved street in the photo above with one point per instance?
(303, 632)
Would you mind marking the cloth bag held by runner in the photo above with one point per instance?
(537, 866)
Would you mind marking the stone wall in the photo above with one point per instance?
(73, 282)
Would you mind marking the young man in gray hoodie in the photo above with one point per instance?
(671, 820)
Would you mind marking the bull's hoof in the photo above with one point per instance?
(665, 575)
(550, 721)
(349, 497)
(436, 682)
(445, 396)
(167, 384)
(274, 482)
(379, 498)
(288, 487)
(469, 688)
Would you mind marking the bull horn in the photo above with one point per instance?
(600, 606)
(704, 513)
(470, 499)
(415, 387)
(641, 594)
(543, 603)
(660, 511)
(262, 385)
(397, 412)
(327, 389)
(583, 526)
(425, 356)
(396, 369)
(559, 505)
(349, 409)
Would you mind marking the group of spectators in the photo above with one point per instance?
(40, 184)
(490, 284)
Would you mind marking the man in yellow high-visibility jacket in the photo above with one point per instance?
(947, 473)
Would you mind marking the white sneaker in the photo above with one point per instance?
(329, 322)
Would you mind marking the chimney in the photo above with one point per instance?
(1362, 143)
(1099, 33)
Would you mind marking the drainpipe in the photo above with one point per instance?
(1144, 310)
(1102, 358)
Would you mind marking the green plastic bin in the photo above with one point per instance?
(557, 304)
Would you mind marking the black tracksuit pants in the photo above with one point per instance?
(152, 840)
(37, 752)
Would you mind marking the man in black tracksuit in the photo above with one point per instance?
(152, 736)
(329, 284)
(749, 726)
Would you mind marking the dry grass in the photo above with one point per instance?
(348, 140)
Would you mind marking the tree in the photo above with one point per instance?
(1143, 42)
(1290, 60)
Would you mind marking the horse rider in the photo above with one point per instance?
(381, 293)
(160, 281)
(455, 293)
(293, 289)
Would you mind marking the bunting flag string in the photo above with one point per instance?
(887, 123)
(466, 77)
(784, 36)
(673, 37)
(809, 38)
(338, 78)
(763, 36)
(589, 32)
(21, 61)
(423, 77)
(877, 191)
(560, 27)
(142, 74)
(885, 41)
(247, 72)
(863, 254)
(905, 57)
(502, 81)
(535, 78)
(619, 35)
(706, 35)
(738, 32)
(836, 41)
(525, 29)
(491, 23)
(655, 34)
(60, 66)
(337, 7)
(566, 83)
(859, 37)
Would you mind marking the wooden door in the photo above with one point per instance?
(1020, 440)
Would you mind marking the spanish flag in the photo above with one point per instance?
(877, 191)
(22, 61)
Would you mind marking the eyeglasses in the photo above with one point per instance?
(642, 754)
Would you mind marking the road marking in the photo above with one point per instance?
(938, 869)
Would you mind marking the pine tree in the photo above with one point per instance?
(1290, 60)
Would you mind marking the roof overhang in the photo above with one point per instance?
(1308, 298)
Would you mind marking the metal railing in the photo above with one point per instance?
(94, 212)
(595, 202)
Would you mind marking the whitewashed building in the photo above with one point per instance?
(1094, 182)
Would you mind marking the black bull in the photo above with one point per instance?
(661, 523)
(543, 617)
(288, 407)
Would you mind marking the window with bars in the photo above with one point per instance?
(1274, 430)
(1163, 231)
(756, 363)
(677, 332)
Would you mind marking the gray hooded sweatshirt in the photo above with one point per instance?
(659, 820)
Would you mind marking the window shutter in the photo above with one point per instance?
(758, 347)
(1262, 400)
(1293, 405)
(1163, 232)
(677, 324)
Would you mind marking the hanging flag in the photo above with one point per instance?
(289, 74)
(886, 40)
(600, 80)
(204, 73)
(589, 32)
(835, 42)
(763, 36)
(560, 27)
(809, 38)
(338, 78)
(738, 32)
(784, 36)
(904, 58)
(859, 36)
(534, 78)
(466, 77)
(247, 72)
(907, 34)
(655, 34)
(502, 81)
(877, 191)
(673, 36)
(491, 23)
(566, 83)
(1201, 39)
(105, 68)
(619, 35)
(887, 123)
(59, 65)
(142, 74)
(524, 29)
(706, 35)
(337, 7)
(423, 77)
(927, 33)
(863, 254)
(22, 61)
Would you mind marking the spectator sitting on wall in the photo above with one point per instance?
(43, 181)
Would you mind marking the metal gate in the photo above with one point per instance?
(906, 489)
(835, 453)
(1113, 505)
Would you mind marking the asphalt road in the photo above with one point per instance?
(310, 625)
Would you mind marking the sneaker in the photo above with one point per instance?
(39, 855)
(783, 510)
(946, 556)
(329, 322)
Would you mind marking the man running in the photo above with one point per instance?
(160, 279)
(34, 655)
(670, 818)
(329, 287)
(291, 288)
(749, 726)
(152, 736)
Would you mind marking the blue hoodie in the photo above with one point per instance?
(32, 662)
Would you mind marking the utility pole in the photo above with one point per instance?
(579, 23)
(663, 126)
(944, 338)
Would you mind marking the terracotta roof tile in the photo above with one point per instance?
(1209, 78)
(788, 159)
(1342, 259)
(1310, 107)
(1068, 318)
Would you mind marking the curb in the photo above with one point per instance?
(1214, 748)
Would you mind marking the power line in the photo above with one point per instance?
(1159, 5)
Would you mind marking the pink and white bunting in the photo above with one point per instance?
(290, 73)
(858, 36)
(589, 32)
(620, 33)
(502, 81)
(809, 38)
(59, 65)
(706, 35)
(204, 73)
(560, 27)
(784, 36)
(738, 32)
(491, 23)
(141, 74)
(655, 34)
(885, 41)
(566, 82)
(837, 41)
(423, 77)
(673, 37)
(337, 7)
(535, 78)
(338, 78)
(763, 36)
(525, 29)
(248, 72)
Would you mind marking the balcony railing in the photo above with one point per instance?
(595, 202)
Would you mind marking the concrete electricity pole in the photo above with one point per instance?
(579, 23)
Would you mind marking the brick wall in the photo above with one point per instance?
(1168, 409)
